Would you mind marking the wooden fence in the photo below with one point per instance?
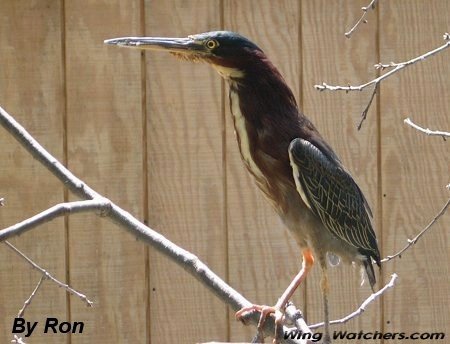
(155, 135)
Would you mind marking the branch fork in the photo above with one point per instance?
(393, 66)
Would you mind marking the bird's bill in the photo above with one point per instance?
(185, 46)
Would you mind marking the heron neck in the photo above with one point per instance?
(264, 95)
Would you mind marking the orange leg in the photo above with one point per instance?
(278, 309)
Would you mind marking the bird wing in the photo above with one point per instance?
(332, 194)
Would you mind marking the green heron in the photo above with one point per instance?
(297, 170)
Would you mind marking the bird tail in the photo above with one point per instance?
(368, 266)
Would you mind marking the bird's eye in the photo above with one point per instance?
(211, 44)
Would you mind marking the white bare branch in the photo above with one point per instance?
(30, 298)
(363, 306)
(370, 6)
(18, 340)
(443, 134)
(395, 68)
(99, 204)
(414, 240)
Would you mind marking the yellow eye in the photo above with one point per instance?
(211, 44)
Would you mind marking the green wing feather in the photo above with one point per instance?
(333, 196)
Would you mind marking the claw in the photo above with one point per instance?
(265, 312)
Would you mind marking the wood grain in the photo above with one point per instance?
(155, 134)
(185, 175)
(262, 256)
(105, 148)
(31, 89)
(329, 56)
(415, 168)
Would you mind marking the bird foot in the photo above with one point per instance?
(265, 312)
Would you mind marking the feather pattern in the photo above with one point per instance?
(334, 197)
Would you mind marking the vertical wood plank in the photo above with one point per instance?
(200, 196)
(262, 255)
(31, 90)
(415, 167)
(185, 169)
(329, 56)
(105, 149)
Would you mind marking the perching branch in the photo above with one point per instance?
(47, 275)
(395, 68)
(180, 256)
(370, 6)
(443, 134)
(363, 306)
(413, 241)
(294, 316)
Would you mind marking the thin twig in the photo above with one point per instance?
(191, 263)
(47, 275)
(33, 293)
(395, 68)
(370, 6)
(443, 134)
(366, 110)
(361, 308)
(413, 241)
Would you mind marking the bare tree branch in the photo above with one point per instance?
(191, 263)
(366, 110)
(363, 306)
(443, 134)
(294, 316)
(99, 204)
(28, 301)
(47, 275)
(370, 6)
(18, 340)
(413, 241)
(395, 68)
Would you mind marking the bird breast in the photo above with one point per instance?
(272, 188)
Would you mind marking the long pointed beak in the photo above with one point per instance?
(174, 45)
